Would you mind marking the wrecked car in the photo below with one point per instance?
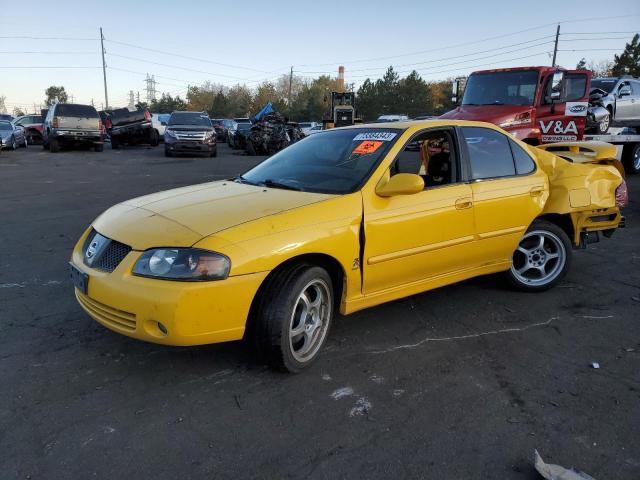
(272, 133)
(131, 127)
(343, 220)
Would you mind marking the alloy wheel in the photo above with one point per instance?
(310, 320)
(539, 258)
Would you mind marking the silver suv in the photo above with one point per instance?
(71, 124)
(621, 97)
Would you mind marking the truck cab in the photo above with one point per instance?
(535, 104)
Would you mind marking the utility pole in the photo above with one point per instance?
(104, 70)
(138, 96)
(290, 82)
(555, 47)
(131, 102)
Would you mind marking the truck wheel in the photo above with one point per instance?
(54, 145)
(155, 138)
(114, 144)
(603, 126)
(542, 258)
(294, 316)
(631, 158)
(98, 147)
(215, 152)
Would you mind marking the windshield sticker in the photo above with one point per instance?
(382, 136)
(367, 147)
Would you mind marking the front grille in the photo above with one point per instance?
(112, 256)
(112, 317)
(193, 136)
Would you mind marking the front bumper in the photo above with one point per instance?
(191, 313)
(189, 146)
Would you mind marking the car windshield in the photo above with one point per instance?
(501, 88)
(4, 125)
(190, 118)
(304, 125)
(244, 126)
(605, 84)
(336, 161)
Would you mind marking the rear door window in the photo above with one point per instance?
(80, 111)
(489, 153)
(524, 163)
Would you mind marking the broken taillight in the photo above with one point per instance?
(147, 115)
(55, 122)
(622, 195)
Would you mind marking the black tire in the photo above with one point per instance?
(155, 138)
(214, 153)
(539, 256)
(14, 145)
(167, 153)
(250, 149)
(631, 158)
(98, 147)
(24, 142)
(276, 312)
(115, 145)
(54, 145)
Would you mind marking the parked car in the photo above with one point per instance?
(6, 116)
(131, 127)
(307, 126)
(341, 221)
(32, 125)
(190, 132)
(621, 97)
(392, 118)
(159, 121)
(312, 130)
(68, 124)
(11, 136)
(220, 128)
(237, 134)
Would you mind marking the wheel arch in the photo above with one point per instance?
(333, 267)
(562, 220)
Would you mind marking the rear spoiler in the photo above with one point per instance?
(601, 153)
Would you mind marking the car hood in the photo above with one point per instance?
(496, 114)
(183, 216)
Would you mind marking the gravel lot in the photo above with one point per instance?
(463, 382)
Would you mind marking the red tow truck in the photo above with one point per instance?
(537, 105)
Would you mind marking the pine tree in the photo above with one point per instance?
(628, 62)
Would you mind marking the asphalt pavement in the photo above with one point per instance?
(463, 382)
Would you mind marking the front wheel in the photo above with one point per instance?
(604, 124)
(542, 258)
(154, 138)
(294, 317)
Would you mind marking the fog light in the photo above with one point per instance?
(162, 328)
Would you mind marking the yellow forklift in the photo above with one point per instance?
(343, 111)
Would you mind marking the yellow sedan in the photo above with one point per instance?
(343, 220)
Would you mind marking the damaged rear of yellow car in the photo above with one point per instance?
(340, 221)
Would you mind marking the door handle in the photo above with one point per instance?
(463, 203)
(536, 190)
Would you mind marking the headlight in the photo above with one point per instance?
(186, 264)
(209, 134)
(170, 133)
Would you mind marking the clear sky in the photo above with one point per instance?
(251, 41)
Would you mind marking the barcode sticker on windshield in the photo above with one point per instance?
(382, 136)
(367, 147)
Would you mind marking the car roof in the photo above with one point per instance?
(419, 124)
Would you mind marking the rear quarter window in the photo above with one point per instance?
(524, 162)
(71, 110)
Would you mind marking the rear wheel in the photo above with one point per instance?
(114, 143)
(98, 147)
(631, 158)
(13, 144)
(155, 138)
(542, 258)
(294, 317)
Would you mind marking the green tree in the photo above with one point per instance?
(239, 101)
(17, 112)
(440, 93)
(368, 101)
(219, 106)
(582, 64)
(413, 96)
(168, 104)
(387, 88)
(628, 62)
(55, 94)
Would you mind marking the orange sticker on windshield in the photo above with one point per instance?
(367, 147)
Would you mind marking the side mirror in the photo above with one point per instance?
(557, 82)
(625, 91)
(401, 184)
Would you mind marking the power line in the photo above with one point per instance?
(187, 57)
(42, 52)
(27, 37)
(46, 66)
